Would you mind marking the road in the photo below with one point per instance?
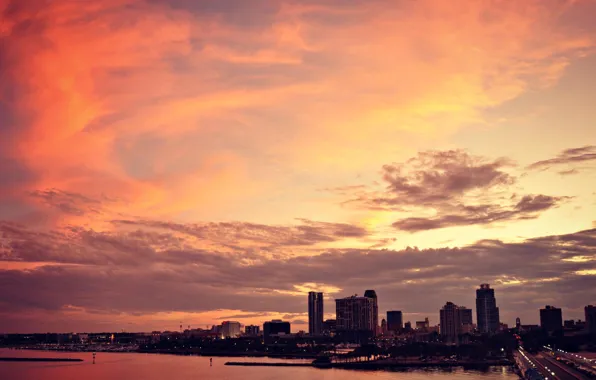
(548, 365)
(576, 358)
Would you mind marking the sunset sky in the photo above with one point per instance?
(167, 161)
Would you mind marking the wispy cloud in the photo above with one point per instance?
(529, 207)
(572, 156)
(456, 189)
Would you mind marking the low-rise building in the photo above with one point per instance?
(252, 330)
(230, 329)
(274, 328)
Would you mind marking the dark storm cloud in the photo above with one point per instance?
(571, 156)
(144, 273)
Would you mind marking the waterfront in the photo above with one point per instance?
(124, 366)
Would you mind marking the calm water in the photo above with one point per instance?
(127, 366)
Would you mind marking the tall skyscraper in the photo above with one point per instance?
(383, 326)
(315, 313)
(551, 319)
(450, 322)
(373, 295)
(394, 320)
(354, 313)
(487, 312)
(590, 318)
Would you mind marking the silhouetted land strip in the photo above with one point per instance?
(260, 354)
(383, 364)
(265, 364)
(40, 360)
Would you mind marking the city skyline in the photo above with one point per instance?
(460, 319)
(209, 161)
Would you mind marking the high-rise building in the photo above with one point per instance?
(315, 313)
(230, 329)
(551, 319)
(252, 330)
(354, 316)
(408, 326)
(450, 322)
(274, 327)
(465, 315)
(354, 313)
(383, 326)
(465, 320)
(518, 323)
(487, 312)
(373, 295)
(394, 320)
(590, 312)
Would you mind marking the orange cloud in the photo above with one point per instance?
(189, 112)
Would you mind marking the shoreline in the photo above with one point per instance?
(8, 359)
(373, 365)
(380, 365)
(366, 365)
(230, 354)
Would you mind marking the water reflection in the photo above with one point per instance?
(132, 366)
